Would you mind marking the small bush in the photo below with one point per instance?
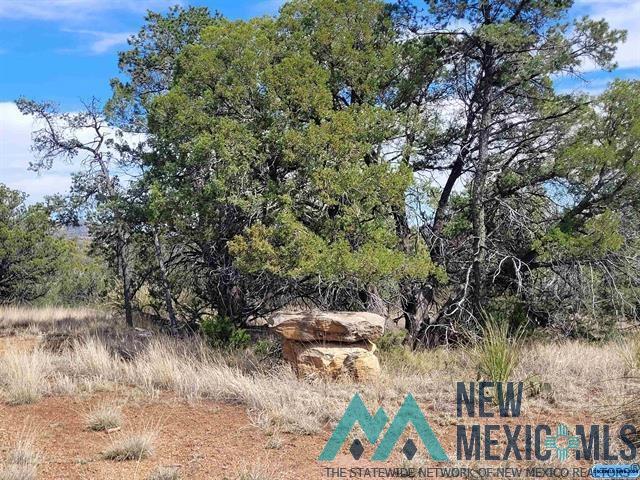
(133, 447)
(275, 442)
(104, 417)
(164, 473)
(498, 352)
(391, 340)
(266, 348)
(221, 332)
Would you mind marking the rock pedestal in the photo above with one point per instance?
(331, 344)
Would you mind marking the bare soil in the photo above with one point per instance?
(203, 440)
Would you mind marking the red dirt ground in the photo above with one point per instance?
(204, 440)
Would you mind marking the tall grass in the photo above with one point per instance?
(497, 354)
(48, 318)
(23, 375)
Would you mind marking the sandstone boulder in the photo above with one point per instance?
(343, 327)
(332, 360)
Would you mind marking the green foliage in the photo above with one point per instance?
(31, 253)
(82, 279)
(292, 158)
(391, 340)
(221, 332)
(287, 179)
(497, 354)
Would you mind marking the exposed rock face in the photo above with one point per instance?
(333, 360)
(331, 344)
(343, 327)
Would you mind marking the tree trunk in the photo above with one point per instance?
(126, 283)
(479, 184)
(173, 324)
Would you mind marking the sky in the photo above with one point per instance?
(66, 51)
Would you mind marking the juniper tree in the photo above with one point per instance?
(269, 147)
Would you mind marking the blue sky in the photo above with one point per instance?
(66, 50)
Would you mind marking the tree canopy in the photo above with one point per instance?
(413, 159)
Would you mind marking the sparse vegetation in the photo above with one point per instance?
(278, 402)
(135, 446)
(164, 473)
(257, 472)
(105, 417)
(18, 472)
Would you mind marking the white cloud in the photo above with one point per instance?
(73, 9)
(622, 14)
(101, 42)
(15, 155)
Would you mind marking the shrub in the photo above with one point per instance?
(133, 447)
(164, 473)
(104, 417)
(498, 352)
(221, 332)
(391, 340)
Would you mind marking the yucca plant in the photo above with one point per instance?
(497, 354)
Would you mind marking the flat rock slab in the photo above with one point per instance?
(343, 327)
(332, 360)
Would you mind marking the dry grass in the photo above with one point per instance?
(44, 319)
(105, 417)
(164, 473)
(580, 375)
(629, 350)
(22, 460)
(23, 375)
(276, 399)
(134, 446)
(257, 472)
(18, 472)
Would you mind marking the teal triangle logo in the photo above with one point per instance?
(373, 425)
